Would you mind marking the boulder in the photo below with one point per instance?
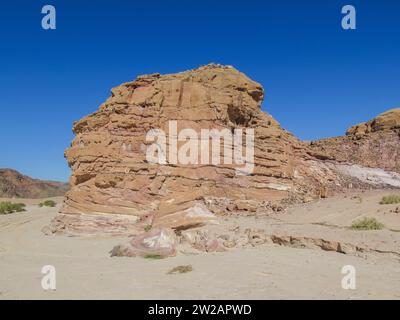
(202, 240)
(156, 243)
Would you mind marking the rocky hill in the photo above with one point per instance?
(375, 143)
(16, 185)
(117, 189)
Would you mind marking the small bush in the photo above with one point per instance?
(153, 256)
(358, 198)
(148, 227)
(392, 199)
(48, 203)
(367, 224)
(9, 207)
(181, 269)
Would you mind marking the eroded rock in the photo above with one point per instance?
(157, 243)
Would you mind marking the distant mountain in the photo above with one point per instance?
(14, 184)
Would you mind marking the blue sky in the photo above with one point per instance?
(319, 79)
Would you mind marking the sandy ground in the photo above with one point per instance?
(84, 269)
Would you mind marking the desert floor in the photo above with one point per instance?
(85, 269)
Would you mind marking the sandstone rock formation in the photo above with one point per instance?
(16, 185)
(389, 120)
(115, 189)
(375, 143)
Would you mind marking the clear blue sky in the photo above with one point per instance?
(319, 79)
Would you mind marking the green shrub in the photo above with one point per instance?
(9, 207)
(392, 199)
(153, 256)
(367, 224)
(48, 203)
(147, 227)
(181, 269)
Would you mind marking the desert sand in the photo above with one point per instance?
(85, 270)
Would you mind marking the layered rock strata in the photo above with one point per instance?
(117, 188)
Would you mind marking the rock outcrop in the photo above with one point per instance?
(156, 243)
(16, 185)
(116, 188)
(375, 143)
(387, 121)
